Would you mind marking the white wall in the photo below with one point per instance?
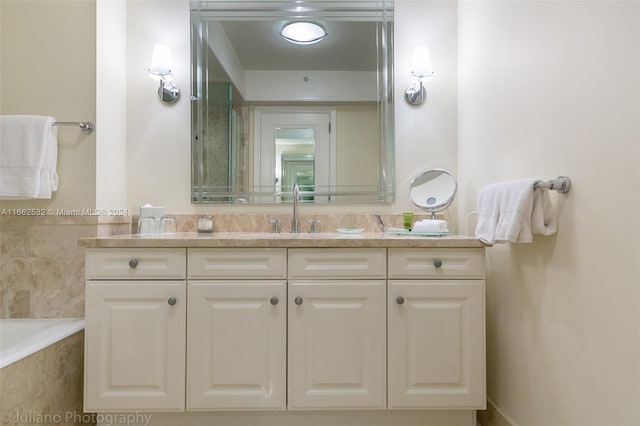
(549, 88)
(48, 67)
(425, 134)
(111, 104)
(315, 86)
(158, 136)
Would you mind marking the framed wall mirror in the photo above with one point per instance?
(269, 110)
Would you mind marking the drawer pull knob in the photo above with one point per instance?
(274, 300)
(437, 263)
(298, 300)
(171, 301)
(133, 263)
(399, 300)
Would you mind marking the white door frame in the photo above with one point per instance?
(264, 151)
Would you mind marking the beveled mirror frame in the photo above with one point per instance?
(382, 11)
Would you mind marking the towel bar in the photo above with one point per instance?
(562, 184)
(85, 126)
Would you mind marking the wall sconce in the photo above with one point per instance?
(421, 71)
(160, 69)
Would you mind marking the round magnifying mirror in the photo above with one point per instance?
(433, 190)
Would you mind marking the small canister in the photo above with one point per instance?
(407, 221)
(205, 224)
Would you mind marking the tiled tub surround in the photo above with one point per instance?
(42, 276)
(41, 266)
(45, 388)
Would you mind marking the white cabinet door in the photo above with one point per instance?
(134, 345)
(236, 345)
(436, 344)
(337, 344)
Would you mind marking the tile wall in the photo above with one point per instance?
(45, 388)
(41, 266)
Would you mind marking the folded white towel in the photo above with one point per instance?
(543, 221)
(511, 211)
(430, 225)
(28, 156)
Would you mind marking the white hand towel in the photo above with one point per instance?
(28, 156)
(511, 211)
(430, 225)
(543, 221)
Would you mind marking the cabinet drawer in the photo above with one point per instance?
(213, 263)
(160, 263)
(337, 263)
(436, 263)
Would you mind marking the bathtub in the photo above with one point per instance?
(20, 338)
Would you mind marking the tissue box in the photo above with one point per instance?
(151, 211)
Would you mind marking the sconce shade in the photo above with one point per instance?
(160, 69)
(160, 61)
(303, 32)
(421, 63)
(421, 71)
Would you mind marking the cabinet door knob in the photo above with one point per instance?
(133, 263)
(298, 300)
(399, 300)
(274, 300)
(437, 263)
(171, 301)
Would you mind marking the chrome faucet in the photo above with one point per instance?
(296, 200)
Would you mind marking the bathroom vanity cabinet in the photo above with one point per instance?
(436, 323)
(200, 329)
(237, 329)
(337, 328)
(135, 329)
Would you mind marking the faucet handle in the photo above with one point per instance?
(313, 226)
(275, 226)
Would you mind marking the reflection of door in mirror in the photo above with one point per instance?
(292, 142)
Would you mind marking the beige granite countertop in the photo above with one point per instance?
(256, 239)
